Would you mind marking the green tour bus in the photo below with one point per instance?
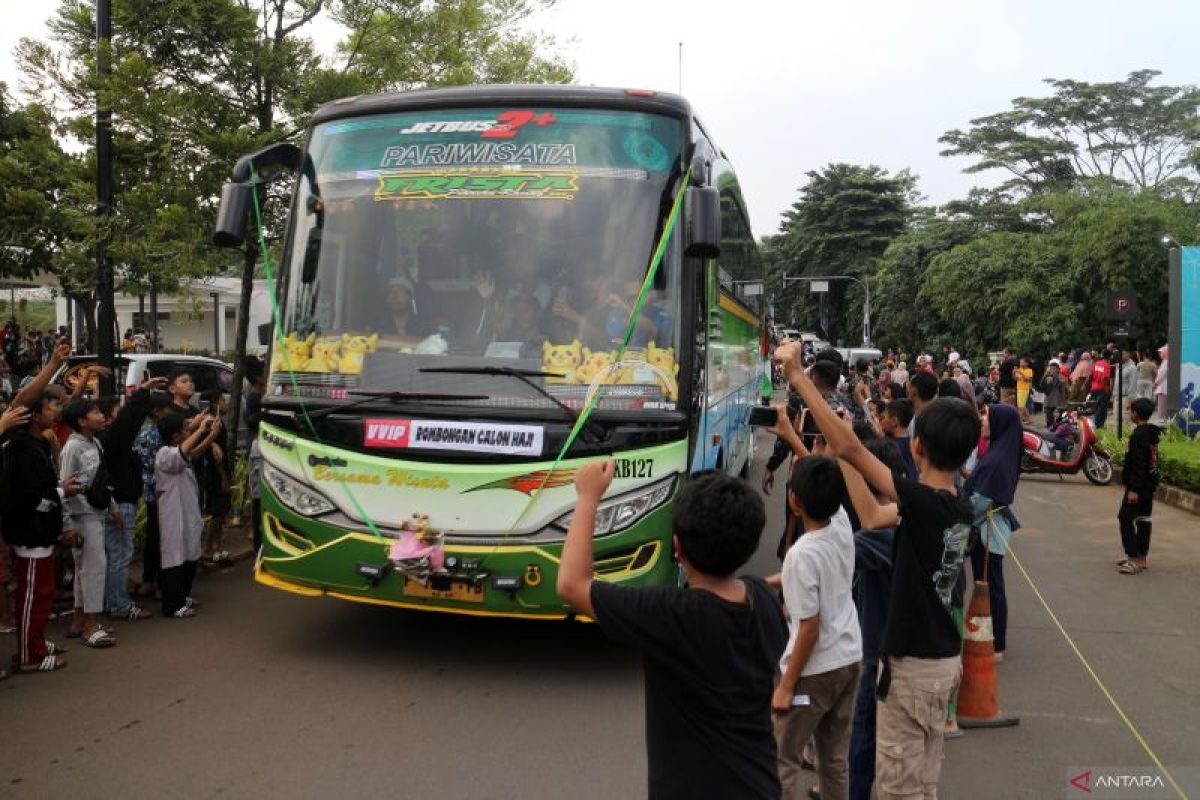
(480, 289)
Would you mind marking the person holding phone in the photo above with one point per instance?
(125, 471)
(178, 501)
(35, 520)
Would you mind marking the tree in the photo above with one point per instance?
(34, 175)
(1128, 132)
(197, 83)
(845, 218)
(899, 319)
(1114, 241)
(1011, 288)
(447, 42)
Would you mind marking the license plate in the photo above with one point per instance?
(461, 591)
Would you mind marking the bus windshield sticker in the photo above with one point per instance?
(504, 126)
(530, 481)
(478, 184)
(475, 437)
(484, 153)
(646, 151)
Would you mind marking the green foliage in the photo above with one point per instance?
(846, 217)
(194, 85)
(34, 177)
(1129, 132)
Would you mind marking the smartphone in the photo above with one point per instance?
(763, 416)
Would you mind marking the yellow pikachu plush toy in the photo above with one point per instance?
(664, 359)
(354, 350)
(325, 355)
(595, 364)
(631, 372)
(297, 353)
(562, 359)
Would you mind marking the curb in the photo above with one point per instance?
(1170, 495)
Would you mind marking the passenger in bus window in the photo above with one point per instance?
(402, 320)
(523, 323)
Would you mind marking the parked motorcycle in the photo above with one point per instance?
(1043, 452)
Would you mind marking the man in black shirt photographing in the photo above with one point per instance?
(920, 659)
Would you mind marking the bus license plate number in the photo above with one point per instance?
(634, 468)
(460, 591)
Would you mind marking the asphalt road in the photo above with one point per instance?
(267, 694)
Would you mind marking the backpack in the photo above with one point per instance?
(99, 494)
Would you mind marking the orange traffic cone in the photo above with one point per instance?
(978, 704)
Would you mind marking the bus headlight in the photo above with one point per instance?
(295, 495)
(620, 512)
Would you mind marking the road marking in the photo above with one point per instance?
(1103, 689)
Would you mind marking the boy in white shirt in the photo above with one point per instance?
(822, 662)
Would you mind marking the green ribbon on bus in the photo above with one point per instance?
(630, 325)
(277, 324)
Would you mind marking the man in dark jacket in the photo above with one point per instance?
(1140, 476)
(34, 522)
(124, 470)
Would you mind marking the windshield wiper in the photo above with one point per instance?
(367, 396)
(524, 376)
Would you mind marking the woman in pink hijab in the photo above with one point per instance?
(1160, 383)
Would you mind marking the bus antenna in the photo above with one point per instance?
(681, 67)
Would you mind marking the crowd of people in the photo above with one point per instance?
(73, 473)
(848, 661)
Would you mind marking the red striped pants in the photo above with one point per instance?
(34, 601)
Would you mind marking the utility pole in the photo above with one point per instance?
(819, 279)
(105, 313)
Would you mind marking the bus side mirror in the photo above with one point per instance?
(702, 222)
(232, 215)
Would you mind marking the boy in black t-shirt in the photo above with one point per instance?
(920, 656)
(710, 649)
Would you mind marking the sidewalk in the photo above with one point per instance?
(1136, 632)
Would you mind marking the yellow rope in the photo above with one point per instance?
(1103, 689)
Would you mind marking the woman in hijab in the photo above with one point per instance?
(990, 490)
(1160, 382)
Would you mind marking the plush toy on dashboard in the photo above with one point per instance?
(325, 355)
(594, 364)
(292, 353)
(633, 371)
(562, 359)
(354, 350)
(664, 359)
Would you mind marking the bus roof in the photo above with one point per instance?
(507, 94)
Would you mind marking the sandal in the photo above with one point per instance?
(185, 612)
(1130, 568)
(54, 649)
(191, 602)
(99, 638)
(50, 663)
(134, 613)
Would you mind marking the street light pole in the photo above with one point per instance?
(216, 298)
(866, 331)
(105, 316)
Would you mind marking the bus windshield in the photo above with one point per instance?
(483, 237)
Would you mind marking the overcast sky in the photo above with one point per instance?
(790, 85)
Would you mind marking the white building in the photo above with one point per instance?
(186, 319)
